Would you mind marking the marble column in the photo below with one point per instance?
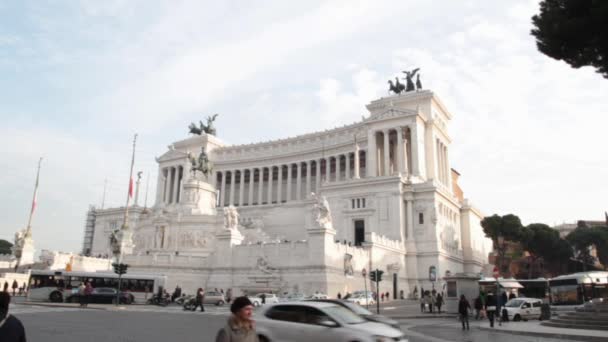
(261, 186)
(308, 179)
(400, 151)
(318, 176)
(223, 190)
(289, 171)
(371, 155)
(270, 183)
(415, 152)
(299, 181)
(338, 168)
(406, 166)
(387, 157)
(232, 186)
(241, 187)
(250, 194)
(347, 174)
(167, 179)
(280, 186)
(410, 217)
(356, 173)
(327, 169)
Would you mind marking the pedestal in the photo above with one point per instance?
(199, 197)
(227, 238)
(25, 252)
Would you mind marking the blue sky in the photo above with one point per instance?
(80, 77)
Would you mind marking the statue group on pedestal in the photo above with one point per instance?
(399, 87)
(322, 212)
(231, 218)
(202, 128)
(201, 163)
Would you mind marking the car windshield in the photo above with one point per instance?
(343, 315)
(515, 303)
(358, 309)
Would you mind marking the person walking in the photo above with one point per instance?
(228, 295)
(490, 308)
(387, 296)
(439, 302)
(200, 297)
(463, 310)
(339, 295)
(15, 286)
(88, 291)
(5, 286)
(240, 326)
(432, 301)
(422, 303)
(382, 296)
(81, 294)
(11, 328)
(478, 307)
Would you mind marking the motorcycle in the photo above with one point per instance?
(189, 303)
(158, 300)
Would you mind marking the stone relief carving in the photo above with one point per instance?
(348, 265)
(252, 223)
(262, 265)
(19, 239)
(231, 218)
(322, 211)
(449, 239)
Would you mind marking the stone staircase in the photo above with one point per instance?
(593, 315)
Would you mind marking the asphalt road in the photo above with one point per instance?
(171, 324)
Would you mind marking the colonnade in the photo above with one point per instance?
(443, 167)
(286, 182)
(395, 151)
(172, 178)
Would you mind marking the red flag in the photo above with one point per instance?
(131, 187)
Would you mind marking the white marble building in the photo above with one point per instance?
(389, 184)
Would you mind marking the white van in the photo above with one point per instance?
(523, 308)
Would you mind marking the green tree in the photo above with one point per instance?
(544, 242)
(582, 239)
(5, 247)
(502, 229)
(601, 245)
(575, 31)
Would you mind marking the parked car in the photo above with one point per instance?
(319, 322)
(103, 295)
(256, 300)
(318, 296)
(362, 299)
(215, 298)
(361, 311)
(292, 297)
(523, 308)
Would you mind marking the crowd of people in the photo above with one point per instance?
(15, 288)
(431, 301)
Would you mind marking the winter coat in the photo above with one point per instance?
(464, 307)
(234, 333)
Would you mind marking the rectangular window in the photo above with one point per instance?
(358, 203)
(421, 218)
(353, 203)
(363, 203)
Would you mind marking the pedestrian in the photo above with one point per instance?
(81, 294)
(512, 295)
(432, 301)
(263, 297)
(15, 286)
(463, 310)
(478, 307)
(339, 295)
(228, 295)
(439, 302)
(422, 302)
(490, 307)
(24, 288)
(200, 297)
(240, 326)
(88, 291)
(5, 286)
(401, 295)
(11, 328)
(382, 296)
(387, 295)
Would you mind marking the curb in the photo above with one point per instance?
(560, 336)
(73, 306)
(421, 316)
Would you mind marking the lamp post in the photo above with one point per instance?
(501, 252)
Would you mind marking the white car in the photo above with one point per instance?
(523, 308)
(293, 297)
(271, 298)
(319, 296)
(319, 322)
(362, 299)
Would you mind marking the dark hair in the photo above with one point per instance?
(5, 299)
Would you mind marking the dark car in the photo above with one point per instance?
(103, 295)
(361, 311)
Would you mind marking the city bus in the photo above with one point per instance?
(56, 286)
(578, 288)
(533, 288)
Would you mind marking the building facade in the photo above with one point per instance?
(393, 199)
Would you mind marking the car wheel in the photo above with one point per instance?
(220, 303)
(517, 318)
(263, 338)
(56, 297)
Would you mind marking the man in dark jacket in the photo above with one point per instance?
(490, 308)
(463, 310)
(11, 328)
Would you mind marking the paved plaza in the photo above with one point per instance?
(50, 323)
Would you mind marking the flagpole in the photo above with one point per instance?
(147, 185)
(28, 232)
(129, 192)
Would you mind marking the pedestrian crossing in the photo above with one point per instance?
(18, 309)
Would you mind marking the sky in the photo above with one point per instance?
(79, 78)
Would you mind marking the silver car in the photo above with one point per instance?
(216, 298)
(319, 322)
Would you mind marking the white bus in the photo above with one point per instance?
(57, 286)
(578, 288)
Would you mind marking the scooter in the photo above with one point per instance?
(159, 300)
